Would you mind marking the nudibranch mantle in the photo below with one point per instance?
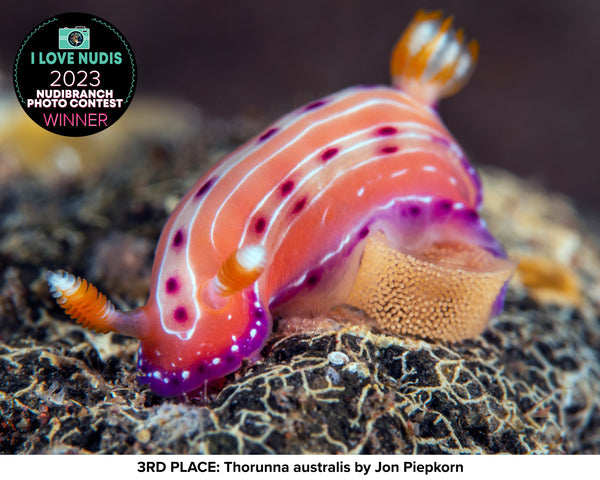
(362, 197)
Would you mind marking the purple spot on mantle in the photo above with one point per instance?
(299, 205)
(315, 105)
(180, 314)
(268, 134)
(442, 208)
(258, 313)
(178, 238)
(230, 359)
(329, 153)
(260, 224)
(363, 233)
(389, 150)
(386, 131)
(172, 285)
(314, 277)
(411, 211)
(287, 187)
(471, 215)
(414, 210)
(445, 205)
(204, 188)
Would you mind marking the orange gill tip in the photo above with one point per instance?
(423, 15)
(431, 60)
(91, 309)
(240, 270)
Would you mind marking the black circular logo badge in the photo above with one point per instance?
(75, 74)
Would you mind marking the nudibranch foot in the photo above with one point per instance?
(431, 60)
(445, 293)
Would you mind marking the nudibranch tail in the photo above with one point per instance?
(447, 293)
(431, 60)
(82, 301)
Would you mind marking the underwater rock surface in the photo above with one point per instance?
(529, 384)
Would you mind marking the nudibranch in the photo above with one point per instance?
(360, 198)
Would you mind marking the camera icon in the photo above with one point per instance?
(76, 38)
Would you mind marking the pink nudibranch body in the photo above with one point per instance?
(280, 226)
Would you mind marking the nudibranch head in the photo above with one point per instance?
(210, 346)
(206, 336)
(174, 365)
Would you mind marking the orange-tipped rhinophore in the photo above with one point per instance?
(82, 301)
